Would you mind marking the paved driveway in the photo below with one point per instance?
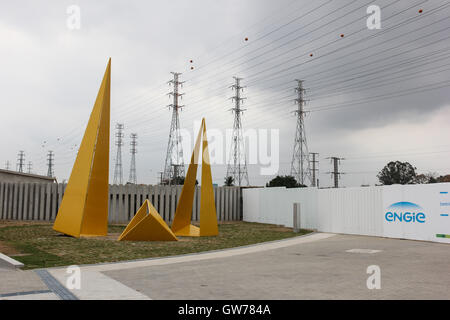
(322, 269)
(317, 266)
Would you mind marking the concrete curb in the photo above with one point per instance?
(10, 262)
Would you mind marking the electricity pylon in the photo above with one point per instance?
(50, 164)
(237, 165)
(132, 178)
(20, 161)
(174, 164)
(300, 168)
(118, 169)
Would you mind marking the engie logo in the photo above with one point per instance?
(405, 212)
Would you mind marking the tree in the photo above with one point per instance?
(179, 181)
(426, 178)
(229, 181)
(284, 181)
(397, 173)
(445, 178)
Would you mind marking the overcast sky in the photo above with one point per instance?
(374, 95)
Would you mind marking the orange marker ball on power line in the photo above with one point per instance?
(191, 61)
(311, 55)
(342, 35)
(246, 39)
(420, 11)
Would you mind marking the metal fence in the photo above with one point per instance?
(34, 201)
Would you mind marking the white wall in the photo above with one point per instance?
(356, 210)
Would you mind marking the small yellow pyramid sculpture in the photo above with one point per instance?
(84, 207)
(147, 225)
(181, 225)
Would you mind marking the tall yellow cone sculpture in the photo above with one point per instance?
(147, 225)
(84, 207)
(181, 225)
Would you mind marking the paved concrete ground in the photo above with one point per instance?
(315, 270)
(316, 266)
(17, 284)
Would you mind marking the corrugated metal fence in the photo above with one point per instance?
(34, 201)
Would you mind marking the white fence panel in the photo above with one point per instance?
(419, 212)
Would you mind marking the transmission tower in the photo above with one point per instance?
(300, 168)
(7, 165)
(118, 170)
(336, 174)
(50, 163)
(174, 164)
(20, 161)
(29, 166)
(133, 151)
(237, 165)
(314, 168)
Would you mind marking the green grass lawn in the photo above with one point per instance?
(37, 245)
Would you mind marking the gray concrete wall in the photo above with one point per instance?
(40, 201)
(14, 176)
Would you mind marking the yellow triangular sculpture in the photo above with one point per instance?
(181, 225)
(147, 225)
(84, 207)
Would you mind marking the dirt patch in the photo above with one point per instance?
(8, 250)
(109, 236)
(14, 223)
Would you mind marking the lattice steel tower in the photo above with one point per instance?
(132, 178)
(118, 169)
(174, 164)
(237, 165)
(29, 167)
(300, 168)
(20, 161)
(50, 163)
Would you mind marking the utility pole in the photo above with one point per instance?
(237, 165)
(314, 169)
(174, 155)
(160, 176)
(50, 163)
(7, 165)
(300, 166)
(29, 166)
(20, 161)
(118, 170)
(133, 151)
(336, 173)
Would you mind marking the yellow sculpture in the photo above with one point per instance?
(181, 225)
(147, 225)
(84, 207)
